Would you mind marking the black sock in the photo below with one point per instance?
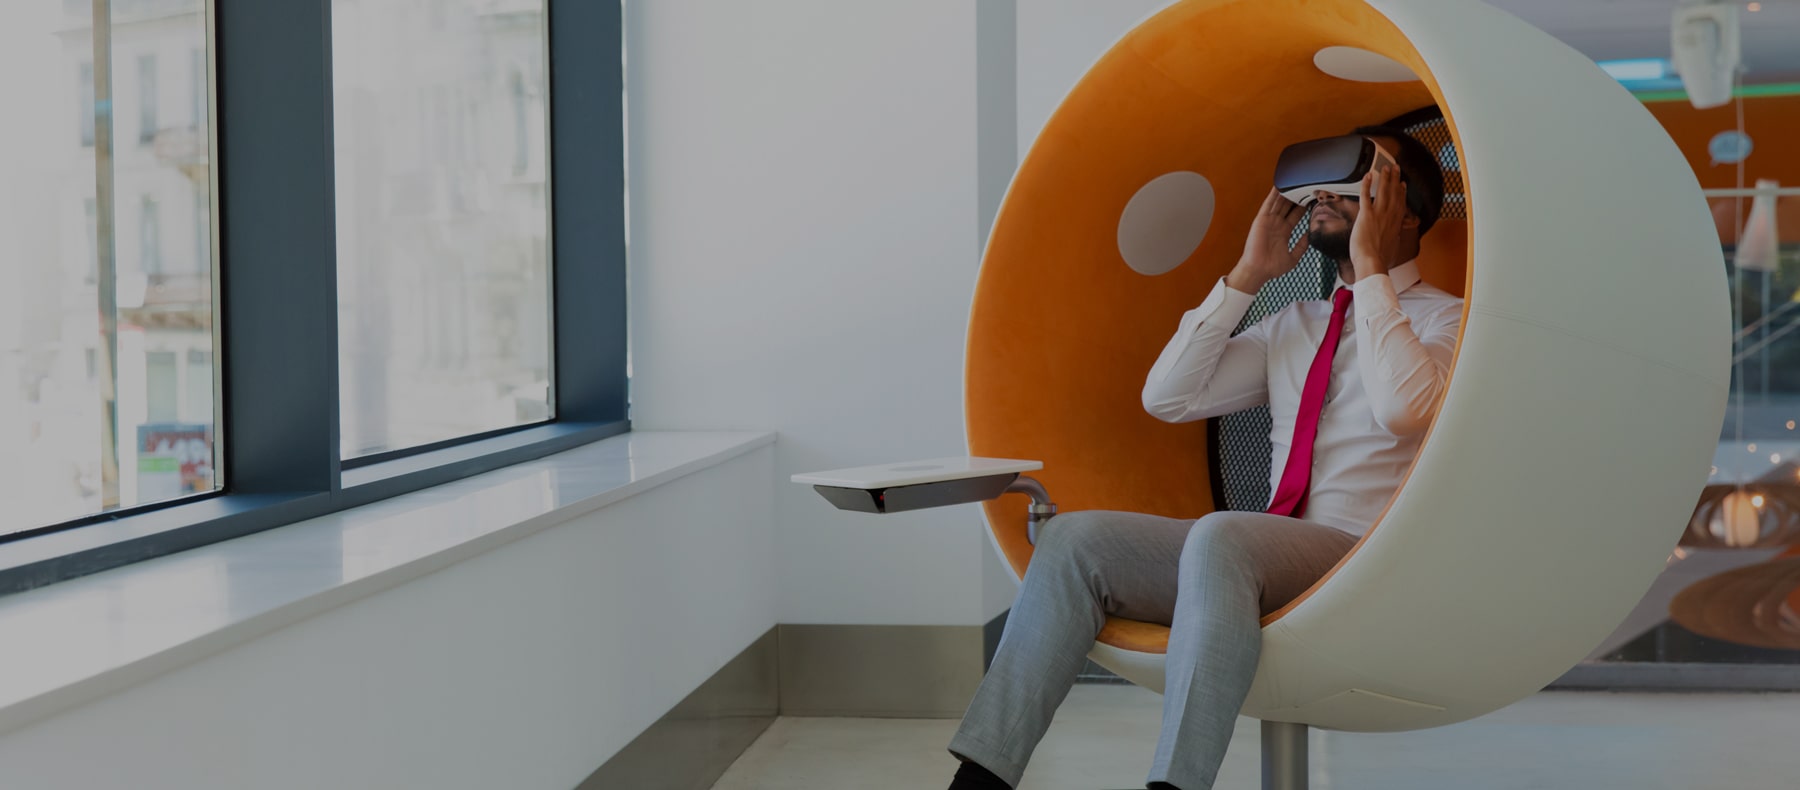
(971, 776)
(1163, 786)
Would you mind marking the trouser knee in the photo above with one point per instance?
(1071, 540)
(1216, 542)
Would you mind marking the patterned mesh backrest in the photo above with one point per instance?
(1428, 127)
(1241, 453)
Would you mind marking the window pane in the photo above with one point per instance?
(147, 98)
(149, 229)
(443, 219)
(97, 409)
(196, 86)
(197, 403)
(84, 101)
(160, 386)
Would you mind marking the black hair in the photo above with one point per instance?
(1424, 176)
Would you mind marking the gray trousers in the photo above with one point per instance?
(1210, 580)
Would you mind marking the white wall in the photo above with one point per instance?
(805, 234)
(1058, 41)
(811, 182)
(526, 667)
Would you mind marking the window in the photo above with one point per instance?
(521, 126)
(90, 238)
(149, 237)
(146, 73)
(84, 100)
(202, 257)
(197, 403)
(443, 276)
(161, 384)
(196, 88)
(79, 398)
(443, 346)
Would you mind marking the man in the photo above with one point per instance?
(1382, 347)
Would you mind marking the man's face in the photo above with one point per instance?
(1328, 229)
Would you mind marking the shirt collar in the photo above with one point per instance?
(1404, 276)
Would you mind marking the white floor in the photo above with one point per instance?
(1104, 734)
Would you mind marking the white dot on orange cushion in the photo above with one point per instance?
(1165, 221)
(1361, 65)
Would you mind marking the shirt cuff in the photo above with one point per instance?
(1375, 294)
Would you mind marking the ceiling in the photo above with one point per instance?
(1614, 29)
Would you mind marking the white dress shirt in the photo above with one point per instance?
(1386, 381)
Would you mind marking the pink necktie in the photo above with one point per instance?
(1296, 477)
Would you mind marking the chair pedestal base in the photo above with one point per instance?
(1283, 756)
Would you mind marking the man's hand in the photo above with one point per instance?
(1266, 254)
(1375, 241)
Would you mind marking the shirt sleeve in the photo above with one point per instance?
(1405, 366)
(1205, 372)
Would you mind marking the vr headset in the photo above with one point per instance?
(1336, 165)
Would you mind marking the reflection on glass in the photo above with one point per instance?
(443, 219)
(96, 411)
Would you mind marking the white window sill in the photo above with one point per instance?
(77, 640)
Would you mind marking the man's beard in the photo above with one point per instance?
(1333, 245)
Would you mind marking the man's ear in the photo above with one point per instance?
(1409, 221)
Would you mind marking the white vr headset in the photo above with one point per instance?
(1333, 164)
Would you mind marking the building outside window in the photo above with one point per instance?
(202, 227)
(150, 237)
(443, 265)
(147, 99)
(161, 381)
(90, 233)
(84, 101)
(196, 88)
(98, 415)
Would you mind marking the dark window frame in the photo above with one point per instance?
(277, 284)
